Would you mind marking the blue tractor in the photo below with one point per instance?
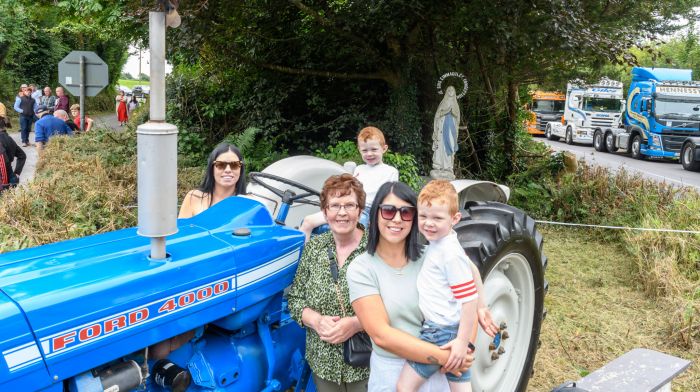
(84, 315)
(79, 315)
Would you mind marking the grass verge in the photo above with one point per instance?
(598, 309)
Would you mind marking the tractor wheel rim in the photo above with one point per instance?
(686, 156)
(510, 294)
(598, 141)
(635, 147)
(608, 141)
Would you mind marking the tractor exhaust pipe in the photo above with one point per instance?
(157, 153)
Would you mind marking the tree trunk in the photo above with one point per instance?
(509, 131)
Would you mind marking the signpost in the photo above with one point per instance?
(83, 74)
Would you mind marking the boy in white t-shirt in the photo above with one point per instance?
(373, 174)
(447, 290)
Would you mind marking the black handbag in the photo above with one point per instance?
(358, 348)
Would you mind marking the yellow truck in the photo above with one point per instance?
(546, 106)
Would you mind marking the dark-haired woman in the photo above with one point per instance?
(382, 284)
(225, 176)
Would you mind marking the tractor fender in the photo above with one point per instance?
(473, 190)
(304, 169)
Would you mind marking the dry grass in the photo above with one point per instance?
(84, 185)
(598, 309)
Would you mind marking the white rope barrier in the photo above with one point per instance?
(619, 227)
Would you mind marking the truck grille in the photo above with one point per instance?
(673, 140)
(603, 122)
(541, 124)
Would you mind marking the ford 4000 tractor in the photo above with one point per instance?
(80, 315)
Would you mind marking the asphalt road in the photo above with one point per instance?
(660, 170)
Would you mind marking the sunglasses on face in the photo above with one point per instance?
(221, 165)
(388, 212)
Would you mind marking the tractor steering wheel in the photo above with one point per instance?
(288, 197)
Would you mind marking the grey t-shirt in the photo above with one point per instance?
(369, 275)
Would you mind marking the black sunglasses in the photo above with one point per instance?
(388, 212)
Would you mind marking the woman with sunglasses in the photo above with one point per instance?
(225, 176)
(382, 284)
(318, 298)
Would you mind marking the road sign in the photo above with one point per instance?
(94, 75)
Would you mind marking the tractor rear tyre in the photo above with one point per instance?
(599, 141)
(688, 157)
(504, 244)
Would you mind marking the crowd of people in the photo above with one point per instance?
(420, 305)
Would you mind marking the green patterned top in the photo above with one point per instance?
(313, 288)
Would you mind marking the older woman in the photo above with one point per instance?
(313, 300)
(382, 284)
(225, 176)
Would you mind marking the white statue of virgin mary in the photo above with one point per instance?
(445, 127)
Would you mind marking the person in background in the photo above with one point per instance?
(75, 113)
(36, 93)
(47, 99)
(61, 114)
(49, 126)
(25, 105)
(62, 100)
(122, 112)
(9, 150)
(133, 104)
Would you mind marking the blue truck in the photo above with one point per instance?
(662, 117)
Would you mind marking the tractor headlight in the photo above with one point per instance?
(656, 140)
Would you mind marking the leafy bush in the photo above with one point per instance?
(258, 151)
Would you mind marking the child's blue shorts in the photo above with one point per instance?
(439, 335)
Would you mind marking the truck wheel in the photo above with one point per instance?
(636, 147)
(569, 136)
(504, 244)
(599, 142)
(548, 133)
(688, 157)
(610, 142)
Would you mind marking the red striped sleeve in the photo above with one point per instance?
(464, 290)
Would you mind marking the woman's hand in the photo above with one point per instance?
(459, 352)
(340, 330)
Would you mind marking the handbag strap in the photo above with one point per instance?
(333, 265)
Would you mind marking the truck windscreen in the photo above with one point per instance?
(677, 109)
(540, 105)
(591, 104)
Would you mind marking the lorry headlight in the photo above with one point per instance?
(656, 139)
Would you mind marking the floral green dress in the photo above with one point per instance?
(313, 288)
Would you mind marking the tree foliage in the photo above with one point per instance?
(309, 72)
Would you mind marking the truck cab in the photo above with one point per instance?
(662, 113)
(546, 106)
(589, 108)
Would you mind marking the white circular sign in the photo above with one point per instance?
(453, 75)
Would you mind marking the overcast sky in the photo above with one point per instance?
(132, 64)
